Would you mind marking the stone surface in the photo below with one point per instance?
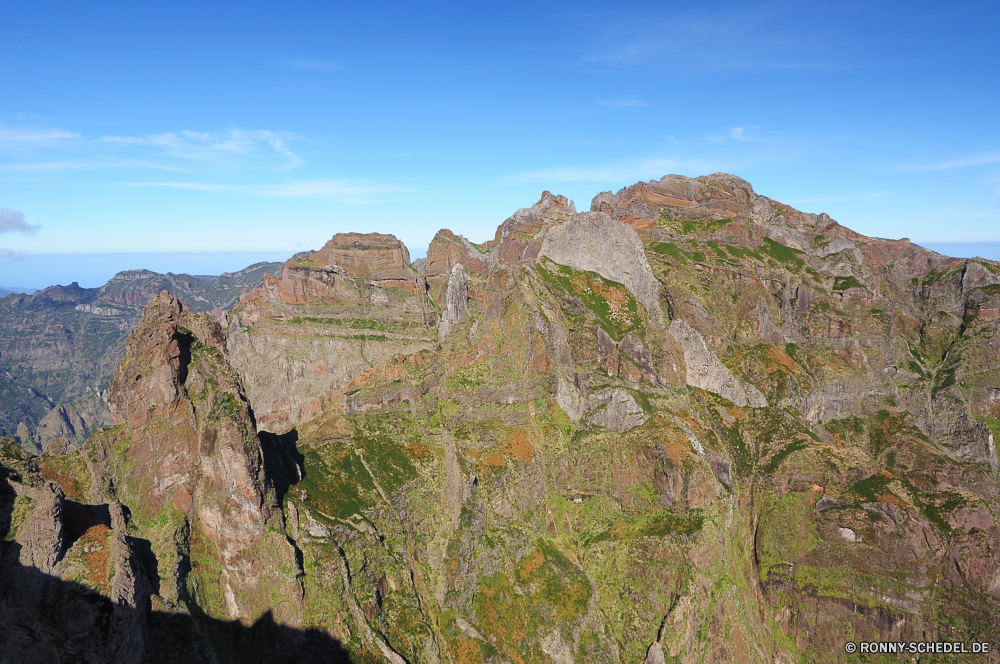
(594, 242)
(456, 301)
(703, 369)
(562, 477)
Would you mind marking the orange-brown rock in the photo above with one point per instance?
(372, 255)
(189, 447)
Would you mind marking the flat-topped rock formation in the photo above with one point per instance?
(690, 424)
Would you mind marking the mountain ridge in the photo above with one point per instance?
(691, 424)
(59, 345)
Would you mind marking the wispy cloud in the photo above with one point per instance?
(188, 151)
(10, 255)
(82, 164)
(753, 37)
(310, 64)
(737, 133)
(715, 138)
(12, 221)
(974, 160)
(628, 103)
(20, 136)
(211, 146)
(343, 190)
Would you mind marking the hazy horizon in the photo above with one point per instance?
(94, 270)
(247, 128)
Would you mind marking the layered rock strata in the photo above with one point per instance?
(784, 441)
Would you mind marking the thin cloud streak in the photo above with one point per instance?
(24, 136)
(975, 160)
(208, 146)
(737, 133)
(70, 165)
(347, 191)
(628, 103)
(750, 39)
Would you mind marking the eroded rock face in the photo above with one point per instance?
(456, 301)
(366, 254)
(703, 369)
(561, 467)
(191, 455)
(596, 243)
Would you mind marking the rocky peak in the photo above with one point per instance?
(368, 254)
(190, 444)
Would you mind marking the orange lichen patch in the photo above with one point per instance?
(389, 371)
(182, 499)
(53, 471)
(96, 550)
(637, 222)
(415, 449)
(540, 360)
(779, 357)
(530, 564)
(467, 651)
(890, 498)
(677, 446)
(493, 459)
(519, 447)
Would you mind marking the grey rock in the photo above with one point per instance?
(703, 369)
(595, 242)
(456, 301)
(616, 410)
(41, 535)
(767, 331)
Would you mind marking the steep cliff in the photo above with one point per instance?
(59, 347)
(692, 424)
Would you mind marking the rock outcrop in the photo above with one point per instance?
(693, 424)
(596, 243)
(188, 453)
(704, 370)
(59, 346)
(456, 301)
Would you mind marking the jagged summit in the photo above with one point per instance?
(691, 423)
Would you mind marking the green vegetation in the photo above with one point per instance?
(657, 524)
(843, 283)
(787, 530)
(787, 256)
(778, 458)
(694, 226)
(991, 290)
(614, 306)
(544, 590)
(670, 249)
(22, 510)
(359, 324)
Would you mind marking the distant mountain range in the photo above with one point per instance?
(59, 346)
(11, 290)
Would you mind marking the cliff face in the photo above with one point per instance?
(59, 348)
(328, 317)
(186, 459)
(692, 424)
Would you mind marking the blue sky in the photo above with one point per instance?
(262, 128)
